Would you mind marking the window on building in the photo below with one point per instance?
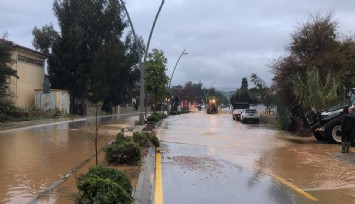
(30, 60)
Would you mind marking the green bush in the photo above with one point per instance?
(185, 111)
(175, 112)
(104, 185)
(13, 113)
(154, 140)
(120, 139)
(57, 113)
(155, 117)
(112, 174)
(141, 139)
(129, 152)
(283, 117)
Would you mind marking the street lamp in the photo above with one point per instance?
(208, 93)
(142, 65)
(183, 53)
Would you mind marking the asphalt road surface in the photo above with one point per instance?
(214, 159)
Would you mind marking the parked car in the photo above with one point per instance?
(250, 115)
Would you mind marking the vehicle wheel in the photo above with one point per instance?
(318, 136)
(331, 130)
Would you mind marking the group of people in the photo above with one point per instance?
(348, 125)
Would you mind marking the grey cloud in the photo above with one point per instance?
(226, 40)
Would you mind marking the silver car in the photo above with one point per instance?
(250, 115)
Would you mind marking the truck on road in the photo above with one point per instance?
(185, 105)
(238, 108)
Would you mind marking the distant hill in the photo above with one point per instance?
(228, 94)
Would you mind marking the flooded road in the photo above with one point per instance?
(32, 159)
(213, 159)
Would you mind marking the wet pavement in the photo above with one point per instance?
(206, 159)
(213, 159)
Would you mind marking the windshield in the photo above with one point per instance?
(241, 106)
(251, 111)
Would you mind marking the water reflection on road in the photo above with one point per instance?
(213, 159)
(34, 158)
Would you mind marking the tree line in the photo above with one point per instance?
(197, 93)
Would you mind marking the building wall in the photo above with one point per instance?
(63, 101)
(55, 99)
(30, 69)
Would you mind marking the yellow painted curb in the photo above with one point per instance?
(295, 188)
(158, 179)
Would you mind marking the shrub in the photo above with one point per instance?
(57, 113)
(13, 113)
(155, 141)
(162, 115)
(115, 175)
(141, 139)
(283, 118)
(104, 185)
(155, 117)
(128, 152)
(185, 111)
(175, 112)
(120, 139)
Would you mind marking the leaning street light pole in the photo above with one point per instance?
(142, 65)
(183, 53)
(208, 93)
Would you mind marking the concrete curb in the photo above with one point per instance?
(144, 189)
(144, 192)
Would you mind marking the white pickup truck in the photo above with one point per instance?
(238, 108)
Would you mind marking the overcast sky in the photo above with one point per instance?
(226, 40)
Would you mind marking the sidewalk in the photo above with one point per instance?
(8, 126)
(349, 158)
(22, 124)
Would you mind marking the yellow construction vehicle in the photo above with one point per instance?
(212, 106)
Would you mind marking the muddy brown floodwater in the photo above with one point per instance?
(32, 159)
(214, 159)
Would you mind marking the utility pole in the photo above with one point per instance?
(142, 65)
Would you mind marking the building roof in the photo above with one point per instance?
(20, 47)
(17, 46)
